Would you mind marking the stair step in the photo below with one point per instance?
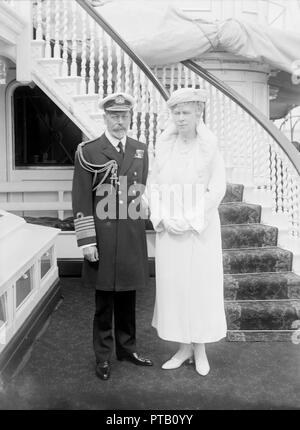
(262, 336)
(254, 260)
(52, 66)
(262, 286)
(70, 85)
(241, 235)
(234, 193)
(234, 213)
(87, 102)
(248, 235)
(262, 315)
(239, 213)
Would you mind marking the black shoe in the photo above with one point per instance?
(103, 370)
(135, 358)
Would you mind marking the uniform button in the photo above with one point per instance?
(119, 192)
(134, 182)
(134, 192)
(121, 202)
(135, 173)
(133, 201)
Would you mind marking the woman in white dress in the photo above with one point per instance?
(189, 306)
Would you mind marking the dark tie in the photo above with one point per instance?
(120, 146)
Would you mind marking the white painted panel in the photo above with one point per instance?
(41, 197)
(38, 214)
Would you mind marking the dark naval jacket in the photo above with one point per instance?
(120, 239)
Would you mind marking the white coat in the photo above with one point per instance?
(189, 304)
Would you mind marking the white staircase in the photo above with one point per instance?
(74, 60)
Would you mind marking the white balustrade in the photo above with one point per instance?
(144, 108)
(89, 53)
(251, 154)
(65, 67)
(39, 34)
(74, 40)
(83, 87)
(92, 67)
(57, 31)
(136, 95)
(100, 71)
(47, 13)
(253, 157)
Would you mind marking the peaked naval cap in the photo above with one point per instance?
(117, 102)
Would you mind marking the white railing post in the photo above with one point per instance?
(65, 66)
(101, 64)
(48, 4)
(91, 84)
(56, 53)
(74, 41)
(83, 88)
(23, 73)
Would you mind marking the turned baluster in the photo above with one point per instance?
(152, 120)
(91, 83)
(57, 29)
(39, 32)
(136, 95)
(48, 28)
(172, 77)
(109, 76)
(74, 40)
(65, 66)
(128, 74)
(179, 75)
(83, 84)
(101, 64)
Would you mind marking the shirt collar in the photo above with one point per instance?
(114, 141)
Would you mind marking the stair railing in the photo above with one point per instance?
(256, 153)
(88, 48)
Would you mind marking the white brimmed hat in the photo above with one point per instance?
(117, 102)
(185, 95)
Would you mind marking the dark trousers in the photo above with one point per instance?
(117, 307)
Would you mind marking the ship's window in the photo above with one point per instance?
(46, 262)
(3, 316)
(24, 286)
(43, 134)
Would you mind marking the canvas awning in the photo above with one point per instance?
(164, 35)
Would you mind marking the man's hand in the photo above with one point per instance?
(91, 253)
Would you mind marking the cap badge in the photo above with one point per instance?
(119, 100)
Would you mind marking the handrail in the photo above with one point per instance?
(117, 38)
(287, 147)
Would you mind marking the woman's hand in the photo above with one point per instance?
(176, 226)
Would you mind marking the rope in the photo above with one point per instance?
(110, 167)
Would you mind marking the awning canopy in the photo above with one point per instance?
(164, 35)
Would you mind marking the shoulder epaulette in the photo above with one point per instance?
(81, 144)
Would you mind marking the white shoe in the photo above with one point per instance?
(175, 362)
(201, 361)
(184, 353)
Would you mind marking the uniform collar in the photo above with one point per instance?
(114, 141)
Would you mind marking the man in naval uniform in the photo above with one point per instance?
(108, 172)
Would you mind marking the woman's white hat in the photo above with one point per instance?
(185, 95)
